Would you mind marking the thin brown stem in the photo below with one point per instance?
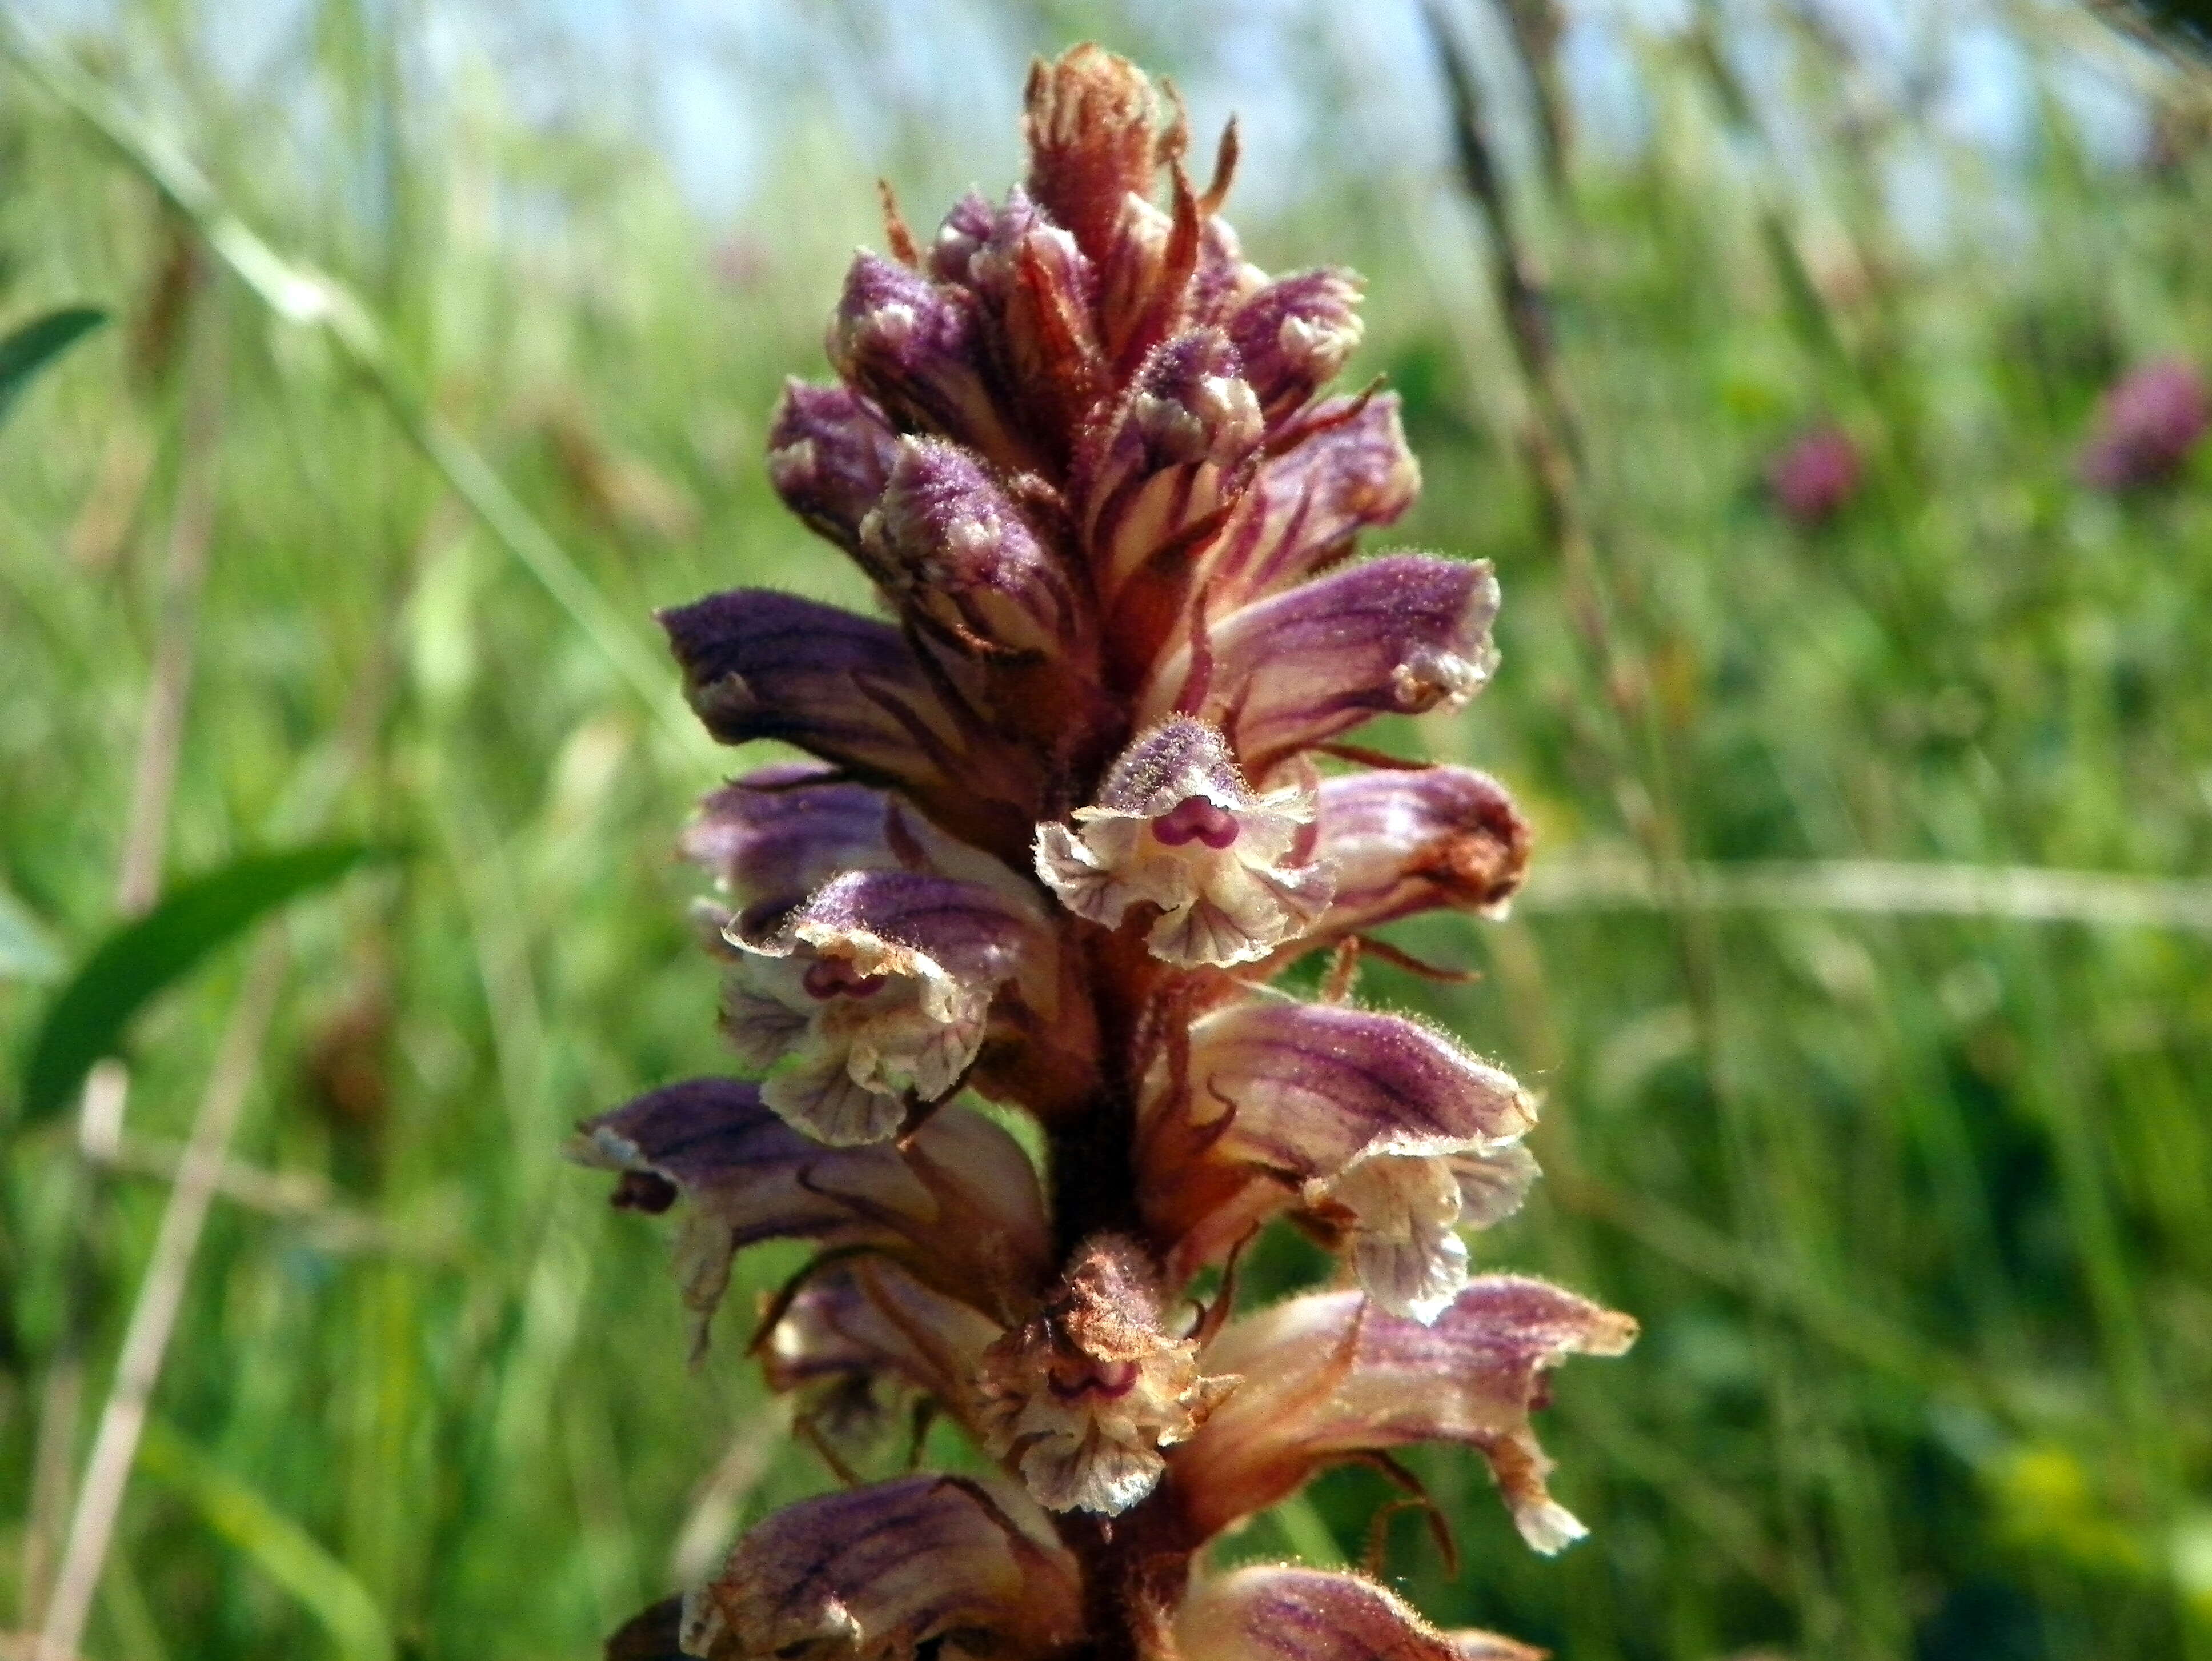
(160, 1295)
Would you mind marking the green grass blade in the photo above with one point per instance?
(277, 1546)
(26, 952)
(144, 957)
(27, 350)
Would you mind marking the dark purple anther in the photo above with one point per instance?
(1195, 817)
(835, 978)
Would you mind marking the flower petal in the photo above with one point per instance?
(1175, 827)
(1328, 1376)
(1404, 842)
(1375, 1127)
(1307, 505)
(762, 665)
(866, 1324)
(893, 973)
(774, 835)
(960, 1202)
(1313, 1088)
(1288, 1613)
(1396, 635)
(874, 1573)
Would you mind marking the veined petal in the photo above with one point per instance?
(1306, 506)
(1404, 842)
(1310, 1089)
(1085, 1393)
(1175, 827)
(776, 835)
(874, 1573)
(1376, 1127)
(959, 1202)
(848, 1334)
(762, 665)
(1328, 1376)
(1288, 1613)
(1396, 635)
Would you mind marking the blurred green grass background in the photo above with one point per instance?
(1916, 1211)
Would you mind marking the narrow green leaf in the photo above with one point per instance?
(277, 1546)
(26, 951)
(143, 957)
(38, 343)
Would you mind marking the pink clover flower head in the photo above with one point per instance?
(2148, 424)
(1815, 477)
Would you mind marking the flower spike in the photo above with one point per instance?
(1060, 815)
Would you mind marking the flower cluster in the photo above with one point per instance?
(1073, 802)
(2148, 424)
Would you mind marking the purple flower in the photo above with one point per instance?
(2147, 426)
(1285, 1613)
(959, 1202)
(881, 1571)
(1385, 1134)
(1814, 478)
(1327, 1376)
(1177, 830)
(1400, 636)
(1065, 808)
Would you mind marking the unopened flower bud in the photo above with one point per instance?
(1296, 334)
(965, 228)
(948, 543)
(829, 452)
(1090, 119)
(912, 345)
(1189, 424)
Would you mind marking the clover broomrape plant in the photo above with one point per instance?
(1066, 818)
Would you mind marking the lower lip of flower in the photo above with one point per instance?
(1112, 1381)
(1195, 819)
(833, 977)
